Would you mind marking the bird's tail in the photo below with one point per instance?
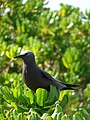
(65, 86)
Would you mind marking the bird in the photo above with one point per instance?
(35, 78)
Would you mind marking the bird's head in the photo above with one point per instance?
(26, 56)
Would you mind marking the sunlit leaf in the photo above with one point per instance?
(41, 96)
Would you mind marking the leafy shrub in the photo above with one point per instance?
(61, 42)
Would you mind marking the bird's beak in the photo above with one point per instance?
(19, 56)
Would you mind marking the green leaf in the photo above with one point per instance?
(41, 96)
(13, 104)
(64, 101)
(21, 109)
(84, 113)
(87, 91)
(15, 112)
(53, 95)
(21, 116)
(6, 94)
(44, 116)
(65, 62)
(59, 115)
(29, 94)
(23, 99)
(78, 116)
(2, 117)
(16, 92)
(58, 109)
(32, 115)
(49, 118)
(64, 117)
(8, 54)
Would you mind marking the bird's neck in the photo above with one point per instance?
(29, 64)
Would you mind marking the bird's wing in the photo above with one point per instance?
(46, 75)
(58, 84)
(52, 80)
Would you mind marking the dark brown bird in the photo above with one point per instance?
(34, 77)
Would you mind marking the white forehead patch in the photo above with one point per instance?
(24, 52)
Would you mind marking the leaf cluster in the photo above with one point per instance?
(60, 41)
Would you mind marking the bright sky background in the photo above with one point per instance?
(82, 4)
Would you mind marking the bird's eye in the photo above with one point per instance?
(27, 54)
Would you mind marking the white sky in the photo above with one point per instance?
(82, 4)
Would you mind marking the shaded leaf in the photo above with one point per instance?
(53, 95)
(64, 101)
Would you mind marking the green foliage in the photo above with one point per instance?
(41, 96)
(61, 42)
(53, 95)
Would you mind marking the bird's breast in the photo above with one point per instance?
(30, 77)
